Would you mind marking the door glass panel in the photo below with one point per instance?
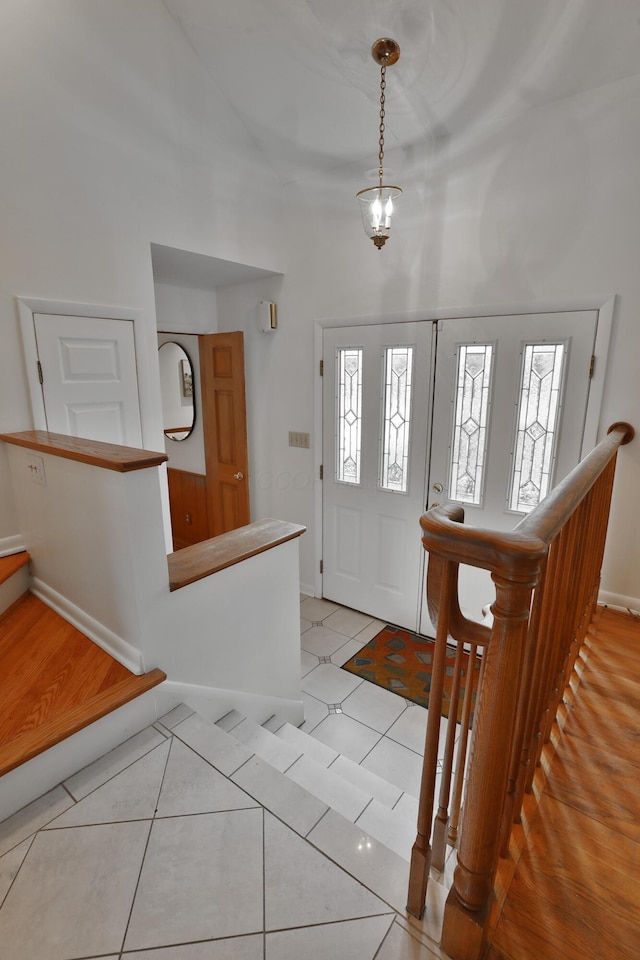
(349, 414)
(536, 425)
(398, 370)
(470, 419)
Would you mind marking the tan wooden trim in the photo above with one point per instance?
(11, 564)
(202, 559)
(109, 456)
(33, 742)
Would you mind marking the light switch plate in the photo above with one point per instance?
(297, 439)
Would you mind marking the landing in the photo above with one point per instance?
(53, 681)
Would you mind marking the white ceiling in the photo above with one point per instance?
(300, 76)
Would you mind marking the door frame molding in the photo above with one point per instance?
(604, 306)
(28, 306)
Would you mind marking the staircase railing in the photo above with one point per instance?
(546, 574)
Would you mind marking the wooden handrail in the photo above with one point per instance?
(546, 520)
(446, 535)
(546, 573)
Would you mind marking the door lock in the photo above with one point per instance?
(437, 488)
(238, 476)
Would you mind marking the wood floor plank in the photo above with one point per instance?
(32, 742)
(575, 892)
(604, 723)
(11, 564)
(563, 924)
(68, 674)
(16, 622)
(596, 865)
(597, 784)
(54, 679)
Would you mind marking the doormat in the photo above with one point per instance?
(401, 661)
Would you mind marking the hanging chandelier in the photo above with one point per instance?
(377, 204)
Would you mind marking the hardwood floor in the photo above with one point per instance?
(11, 564)
(53, 681)
(575, 893)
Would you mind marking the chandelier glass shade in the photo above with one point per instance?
(378, 204)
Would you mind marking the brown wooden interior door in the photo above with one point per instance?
(224, 418)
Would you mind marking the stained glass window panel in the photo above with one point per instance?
(537, 422)
(349, 414)
(470, 420)
(398, 371)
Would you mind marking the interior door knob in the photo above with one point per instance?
(238, 476)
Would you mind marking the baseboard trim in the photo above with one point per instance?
(9, 545)
(619, 601)
(111, 643)
(213, 702)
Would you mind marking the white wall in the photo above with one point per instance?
(113, 137)
(114, 584)
(544, 209)
(185, 309)
(548, 208)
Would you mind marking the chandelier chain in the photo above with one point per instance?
(383, 84)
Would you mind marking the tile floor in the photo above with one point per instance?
(177, 847)
(373, 727)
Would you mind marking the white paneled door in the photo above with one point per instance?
(376, 414)
(89, 378)
(502, 410)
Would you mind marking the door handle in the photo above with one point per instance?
(238, 476)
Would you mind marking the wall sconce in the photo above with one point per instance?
(267, 316)
(377, 204)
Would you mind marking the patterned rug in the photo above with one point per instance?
(401, 661)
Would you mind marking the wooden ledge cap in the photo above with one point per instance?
(109, 456)
(202, 559)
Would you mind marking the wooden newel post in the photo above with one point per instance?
(469, 902)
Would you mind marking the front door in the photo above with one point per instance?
(376, 415)
(88, 376)
(509, 410)
(507, 419)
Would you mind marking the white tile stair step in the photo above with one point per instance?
(318, 751)
(366, 780)
(391, 827)
(345, 798)
(349, 789)
(264, 744)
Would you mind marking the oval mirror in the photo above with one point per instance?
(176, 384)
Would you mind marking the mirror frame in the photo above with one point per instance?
(187, 383)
